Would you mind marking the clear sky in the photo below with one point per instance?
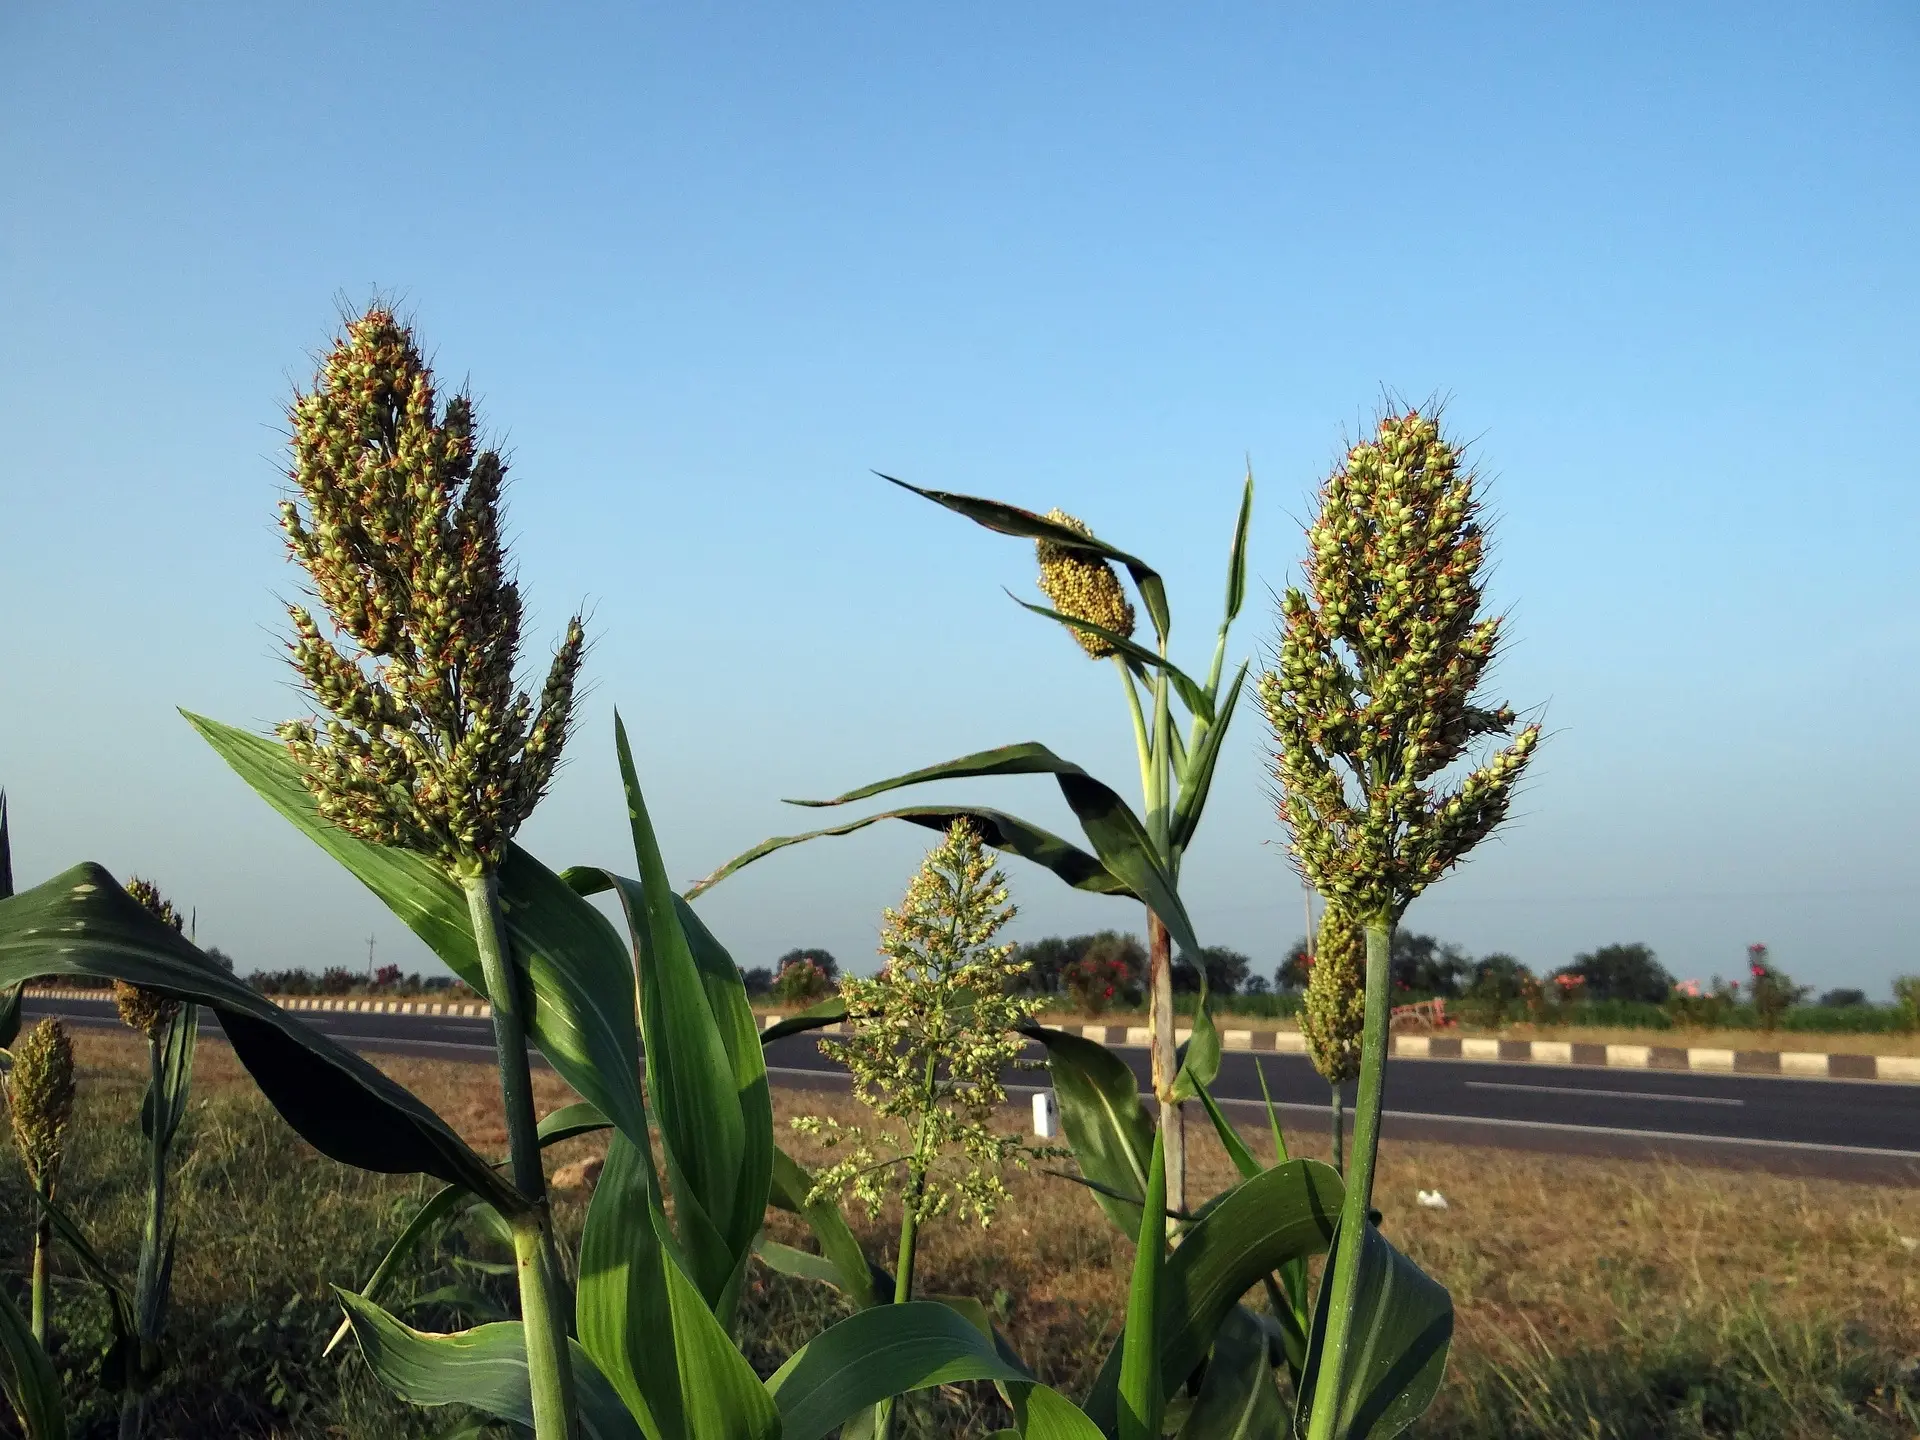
(706, 266)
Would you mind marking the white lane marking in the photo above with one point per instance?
(1606, 1094)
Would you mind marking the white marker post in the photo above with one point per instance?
(1046, 1115)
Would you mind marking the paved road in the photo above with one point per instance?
(1846, 1129)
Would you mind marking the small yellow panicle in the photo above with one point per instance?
(1084, 586)
(1335, 1013)
(40, 1093)
(140, 1009)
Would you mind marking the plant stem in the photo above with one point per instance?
(42, 1272)
(1359, 1197)
(146, 1297)
(1339, 1107)
(1160, 1018)
(542, 1315)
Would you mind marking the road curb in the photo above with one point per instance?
(424, 1008)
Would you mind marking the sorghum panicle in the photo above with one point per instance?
(1379, 660)
(1081, 584)
(40, 1095)
(140, 1009)
(426, 744)
(938, 1012)
(1334, 1015)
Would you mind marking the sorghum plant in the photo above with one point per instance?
(170, 1028)
(40, 1097)
(1373, 701)
(425, 743)
(1138, 858)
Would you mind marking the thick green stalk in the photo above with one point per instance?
(146, 1296)
(1338, 1105)
(42, 1273)
(1359, 1177)
(542, 1311)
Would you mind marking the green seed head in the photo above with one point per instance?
(1335, 1013)
(1379, 660)
(1083, 585)
(424, 741)
(40, 1093)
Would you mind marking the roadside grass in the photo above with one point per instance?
(1595, 1297)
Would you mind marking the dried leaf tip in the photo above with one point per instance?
(425, 743)
(1083, 586)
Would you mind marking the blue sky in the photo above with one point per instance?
(707, 266)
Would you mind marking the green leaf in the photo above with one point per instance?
(1237, 1399)
(27, 1376)
(1100, 1110)
(438, 1208)
(1402, 1326)
(799, 1264)
(887, 1350)
(6, 852)
(120, 1307)
(485, 1368)
(1004, 832)
(1282, 1213)
(10, 997)
(1142, 1389)
(1192, 693)
(1196, 776)
(830, 1011)
(1118, 838)
(82, 923)
(648, 1327)
(1025, 525)
(571, 1121)
(1046, 1414)
(1237, 555)
(854, 1273)
(169, 1102)
(1230, 1141)
(582, 988)
(1200, 1056)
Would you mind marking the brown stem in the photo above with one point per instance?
(1165, 1068)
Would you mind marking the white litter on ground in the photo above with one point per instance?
(1431, 1200)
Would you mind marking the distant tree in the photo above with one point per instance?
(1294, 970)
(1843, 998)
(1227, 971)
(1622, 972)
(1256, 985)
(1774, 992)
(337, 981)
(219, 957)
(1421, 965)
(758, 980)
(1047, 961)
(1501, 979)
(822, 958)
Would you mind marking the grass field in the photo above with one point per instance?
(1595, 1298)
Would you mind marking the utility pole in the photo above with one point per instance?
(369, 959)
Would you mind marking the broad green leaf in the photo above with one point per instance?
(1142, 1388)
(1025, 525)
(1192, 693)
(26, 1374)
(83, 923)
(799, 1264)
(1118, 838)
(1196, 775)
(854, 1273)
(649, 1328)
(570, 1121)
(885, 1351)
(1046, 1414)
(1100, 1110)
(1237, 1399)
(582, 1013)
(830, 1011)
(1284, 1212)
(1200, 1057)
(1004, 832)
(1396, 1354)
(1230, 1141)
(484, 1368)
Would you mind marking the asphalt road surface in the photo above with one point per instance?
(1857, 1130)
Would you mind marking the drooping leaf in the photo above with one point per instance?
(578, 971)
(1007, 833)
(884, 1351)
(26, 1374)
(1142, 1388)
(1115, 832)
(484, 1368)
(1237, 1399)
(855, 1275)
(1284, 1212)
(1107, 1126)
(1230, 1141)
(1046, 1414)
(571, 1121)
(831, 1011)
(82, 923)
(1397, 1351)
(1025, 525)
(1192, 693)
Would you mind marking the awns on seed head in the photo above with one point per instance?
(1379, 660)
(1083, 586)
(426, 744)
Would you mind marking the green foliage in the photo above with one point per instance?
(800, 982)
(1906, 1001)
(1774, 993)
(1622, 972)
